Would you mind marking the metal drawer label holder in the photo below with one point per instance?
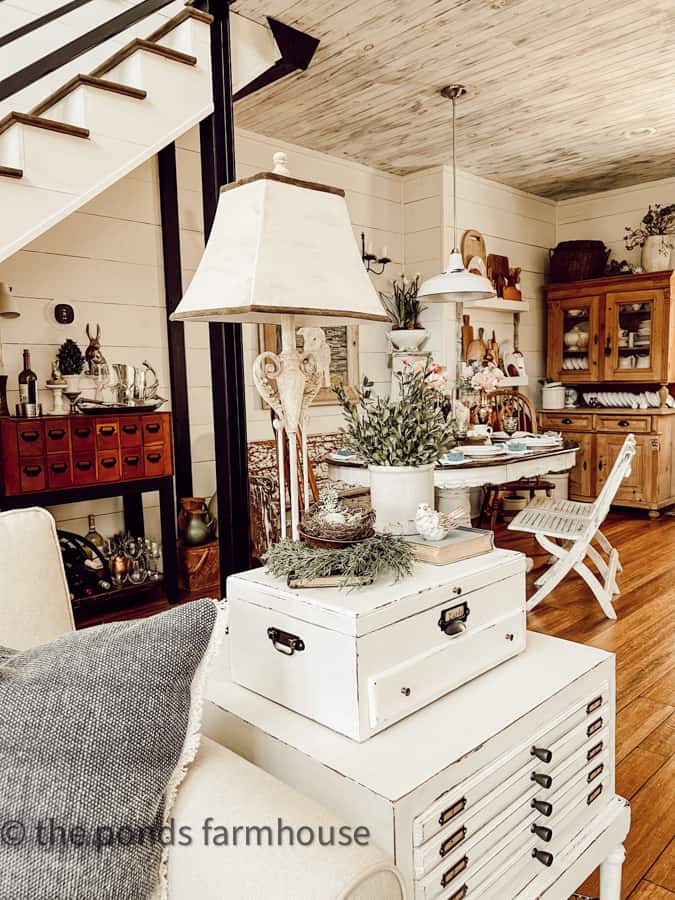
(451, 842)
(452, 620)
(454, 871)
(460, 894)
(448, 814)
(594, 794)
(594, 774)
(593, 705)
(594, 726)
(593, 752)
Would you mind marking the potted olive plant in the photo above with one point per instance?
(655, 234)
(404, 310)
(401, 442)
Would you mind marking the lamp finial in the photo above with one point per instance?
(280, 159)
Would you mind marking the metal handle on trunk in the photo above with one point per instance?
(284, 639)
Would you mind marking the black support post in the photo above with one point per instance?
(227, 359)
(173, 289)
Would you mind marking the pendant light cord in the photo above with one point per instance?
(455, 248)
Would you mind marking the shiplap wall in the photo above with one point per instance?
(603, 216)
(374, 202)
(513, 223)
(106, 260)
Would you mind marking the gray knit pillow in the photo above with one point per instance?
(92, 729)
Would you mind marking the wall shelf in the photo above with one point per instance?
(499, 305)
(518, 381)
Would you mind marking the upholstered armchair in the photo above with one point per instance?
(35, 607)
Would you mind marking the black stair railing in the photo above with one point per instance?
(70, 51)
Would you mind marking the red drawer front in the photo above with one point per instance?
(108, 465)
(131, 432)
(107, 434)
(132, 464)
(33, 474)
(82, 434)
(30, 438)
(84, 468)
(153, 429)
(57, 436)
(156, 461)
(59, 471)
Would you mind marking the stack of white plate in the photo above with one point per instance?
(625, 399)
(575, 362)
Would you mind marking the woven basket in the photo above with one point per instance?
(577, 260)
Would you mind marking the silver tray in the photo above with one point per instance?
(119, 409)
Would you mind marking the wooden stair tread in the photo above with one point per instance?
(140, 44)
(91, 81)
(185, 14)
(11, 172)
(41, 122)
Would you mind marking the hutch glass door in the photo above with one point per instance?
(573, 340)
(633, 336)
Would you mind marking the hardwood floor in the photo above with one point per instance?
(643, 638)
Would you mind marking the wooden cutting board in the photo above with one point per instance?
(476, 349)
(498, 272)
(473, 244)
(467, 335)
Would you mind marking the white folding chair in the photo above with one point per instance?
(577, 525)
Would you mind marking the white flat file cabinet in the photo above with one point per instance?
(502, 789)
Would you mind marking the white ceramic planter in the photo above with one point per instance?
(395, 494)
(656, 252)
(409, 339)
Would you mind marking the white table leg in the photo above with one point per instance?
(610, 874)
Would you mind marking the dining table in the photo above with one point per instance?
(455, 481)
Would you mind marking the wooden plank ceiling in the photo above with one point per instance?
(552, 87)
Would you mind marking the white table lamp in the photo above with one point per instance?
(282, 251)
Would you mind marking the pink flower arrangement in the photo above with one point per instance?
(487, 378)
(434, 374)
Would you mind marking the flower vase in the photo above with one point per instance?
(656, 252)
(395, 494)
(484, 410)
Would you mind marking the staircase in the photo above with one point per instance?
(94, 128)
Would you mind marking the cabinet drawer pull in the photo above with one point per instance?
(542, 806)
(107, 430)
(594, 774)
(283, 639)
(593, 705)
(623, 423)
(82, 432)
(108, 462)
(59, 468)
(460, 894)
(130, 429)
(154, 457)
(544, 857)
(594, 726)
(593, 752)
(452, 842)
(454, 871)
(594, 794)
(84, 465)
(449, 814)
(452, 620)
(132, 460)
(567, 421)
(542, 832)
(56, 434)
(32, 471)
(544, 780)
(29, 436)
(152, 427)
(542, 754)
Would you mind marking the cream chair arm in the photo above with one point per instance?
(223, 789)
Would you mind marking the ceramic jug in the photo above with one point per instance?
(195, 524)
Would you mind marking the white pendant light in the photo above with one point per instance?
(455, 285)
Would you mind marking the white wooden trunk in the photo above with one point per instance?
(373, 656)
(448, 792)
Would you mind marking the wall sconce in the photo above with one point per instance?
(370, 260)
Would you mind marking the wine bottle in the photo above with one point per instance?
(93, 537)
(28, 392)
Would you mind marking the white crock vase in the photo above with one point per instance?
(395, 494)
(409, 339)
(656, 252)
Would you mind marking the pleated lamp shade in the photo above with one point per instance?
(281, 247)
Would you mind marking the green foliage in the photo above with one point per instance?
(70, 358)
(367, 559)
(412, 431)
(658, 220)
(402, 305)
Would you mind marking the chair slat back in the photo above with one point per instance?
(620, 470)
(502, 400)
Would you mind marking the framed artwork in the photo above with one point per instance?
(341, 368)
